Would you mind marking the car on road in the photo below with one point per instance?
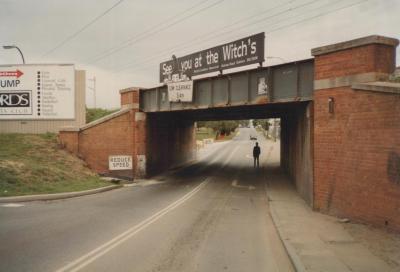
(253, 137)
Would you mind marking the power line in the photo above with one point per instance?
(319, 15)
(281, 13)
(155, 32)
(214, 35)
(300, 21)
(112, 49)
(305, 19)
(82, 29)
(194, 40)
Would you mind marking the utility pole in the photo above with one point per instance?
(93, 89)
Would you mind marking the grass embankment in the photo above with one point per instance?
(94, 114)
(34, 164)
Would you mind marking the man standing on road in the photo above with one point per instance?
(256, 155)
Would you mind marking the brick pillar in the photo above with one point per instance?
(337, 67)
(140, 144)
(130, 97)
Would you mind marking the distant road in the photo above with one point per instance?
(211, 216)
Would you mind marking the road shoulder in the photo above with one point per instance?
(317, 242)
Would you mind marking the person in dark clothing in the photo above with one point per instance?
(256, 155)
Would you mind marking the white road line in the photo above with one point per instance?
(145, 183)
(235, 184)
(106, 247)
(12, 205)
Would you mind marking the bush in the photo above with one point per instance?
(94, 114)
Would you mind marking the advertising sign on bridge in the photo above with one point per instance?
(37, 92)
(241, 52)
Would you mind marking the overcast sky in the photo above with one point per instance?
(125, 44)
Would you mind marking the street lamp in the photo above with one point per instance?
(16, 47)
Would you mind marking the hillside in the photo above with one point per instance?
(34, 164)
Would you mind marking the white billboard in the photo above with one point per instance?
(37, 92)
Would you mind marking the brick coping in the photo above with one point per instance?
(130, 89)
(106, 118)
(373, 39)
(379, 86)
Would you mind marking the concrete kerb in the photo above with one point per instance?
(26, 198)
(294, 257)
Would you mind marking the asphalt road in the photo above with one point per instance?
(210, 216)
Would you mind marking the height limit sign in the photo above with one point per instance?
(181, 91)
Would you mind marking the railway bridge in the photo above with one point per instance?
(340, 138)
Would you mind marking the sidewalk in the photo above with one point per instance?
(317, 242)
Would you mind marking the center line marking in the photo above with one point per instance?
(88, 258)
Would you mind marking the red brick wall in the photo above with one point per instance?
(113, 137)
(129, 98)
(69, 140)
(357, 155)
(371, 58)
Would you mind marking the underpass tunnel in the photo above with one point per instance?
(171, 140)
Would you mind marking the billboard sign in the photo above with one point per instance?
(37, 92)
(241, 52)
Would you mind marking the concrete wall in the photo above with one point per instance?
(43, 126)
(170, 142)
(296, 148)
(357, 139)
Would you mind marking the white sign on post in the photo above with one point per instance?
(181, 91)
(120, 162)
(37, 92)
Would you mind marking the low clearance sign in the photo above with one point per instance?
(241, 52)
